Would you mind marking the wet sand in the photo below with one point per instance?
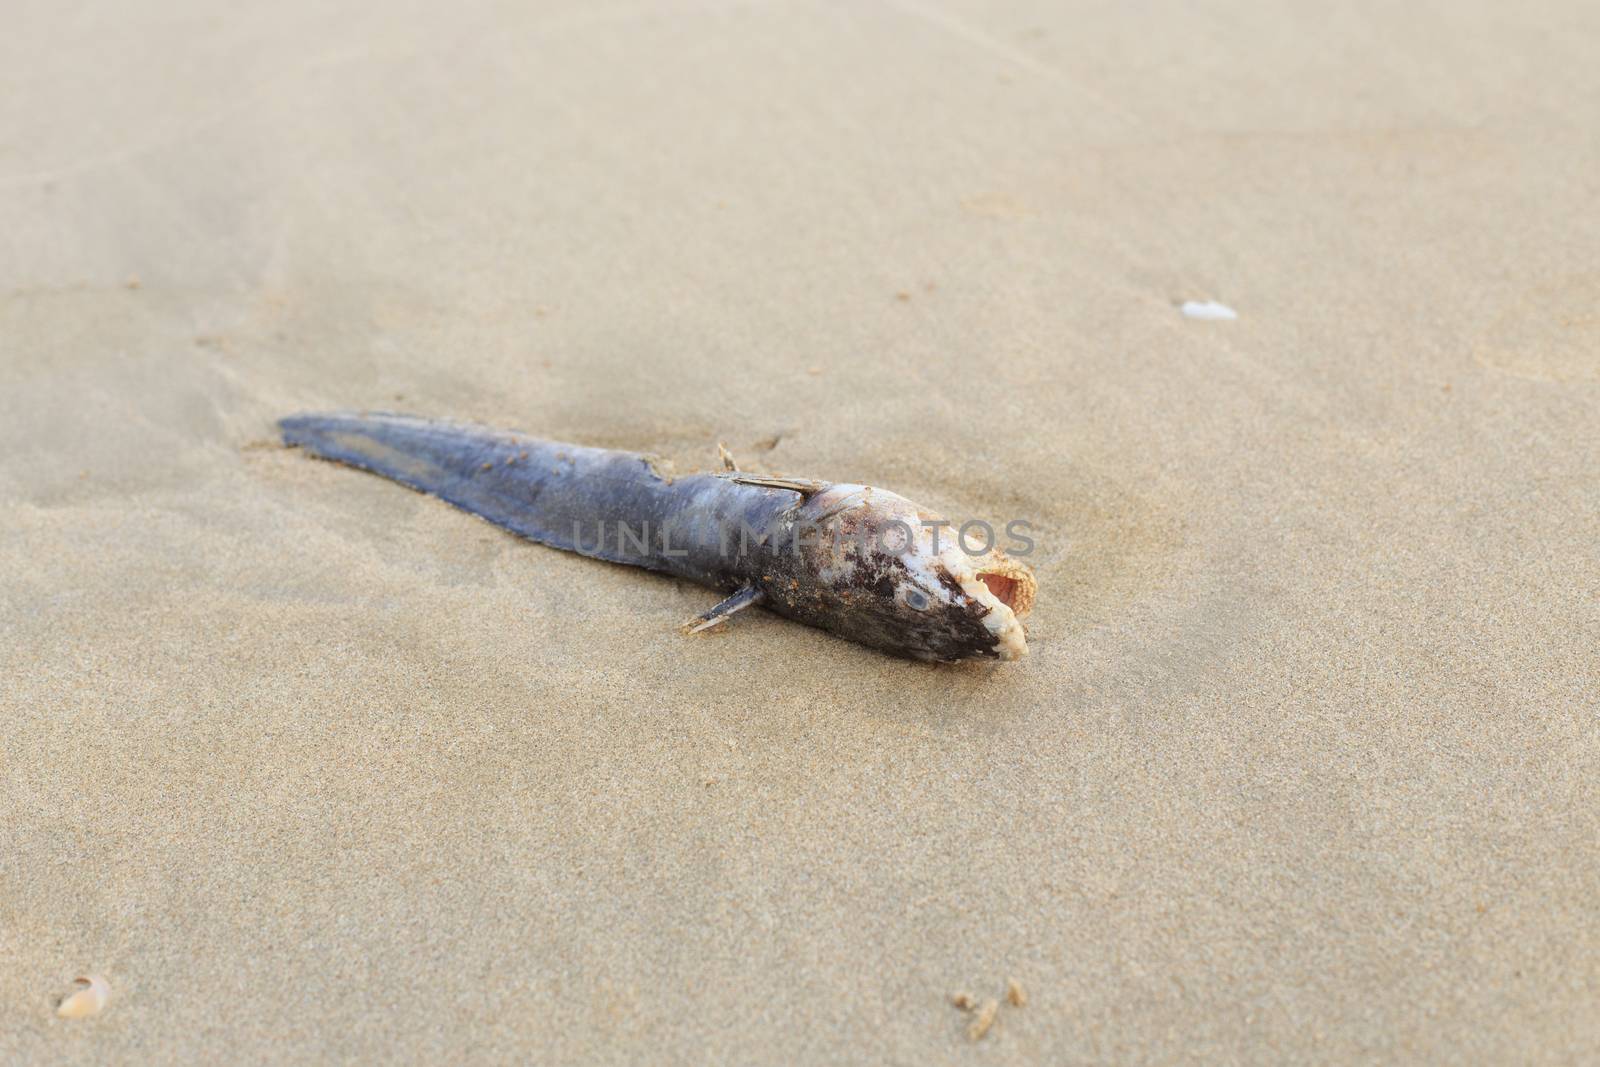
(1301, 767)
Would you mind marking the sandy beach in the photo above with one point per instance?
(1301, 767)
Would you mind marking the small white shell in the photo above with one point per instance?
(88, 999)
(1208, 310)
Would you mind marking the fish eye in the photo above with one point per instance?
(916, 600)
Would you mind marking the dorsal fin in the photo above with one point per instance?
(804, 486)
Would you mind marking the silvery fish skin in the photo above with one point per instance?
(851, 559)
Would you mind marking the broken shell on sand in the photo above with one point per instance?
(983, 1020)
(88, 999)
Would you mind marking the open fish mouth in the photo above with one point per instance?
(1011, 583)
(1003, 586)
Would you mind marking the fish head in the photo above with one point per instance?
(890, 574)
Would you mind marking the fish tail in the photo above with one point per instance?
(417, 452)
(546, 491)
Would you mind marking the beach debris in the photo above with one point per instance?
(1208, 310)
(88, 999)
(982, 1021)
(889, 584)
(985, 1014)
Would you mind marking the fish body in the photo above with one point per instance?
(851, 559)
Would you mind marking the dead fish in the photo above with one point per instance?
(854, 560)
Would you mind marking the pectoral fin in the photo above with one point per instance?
(744, 598)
